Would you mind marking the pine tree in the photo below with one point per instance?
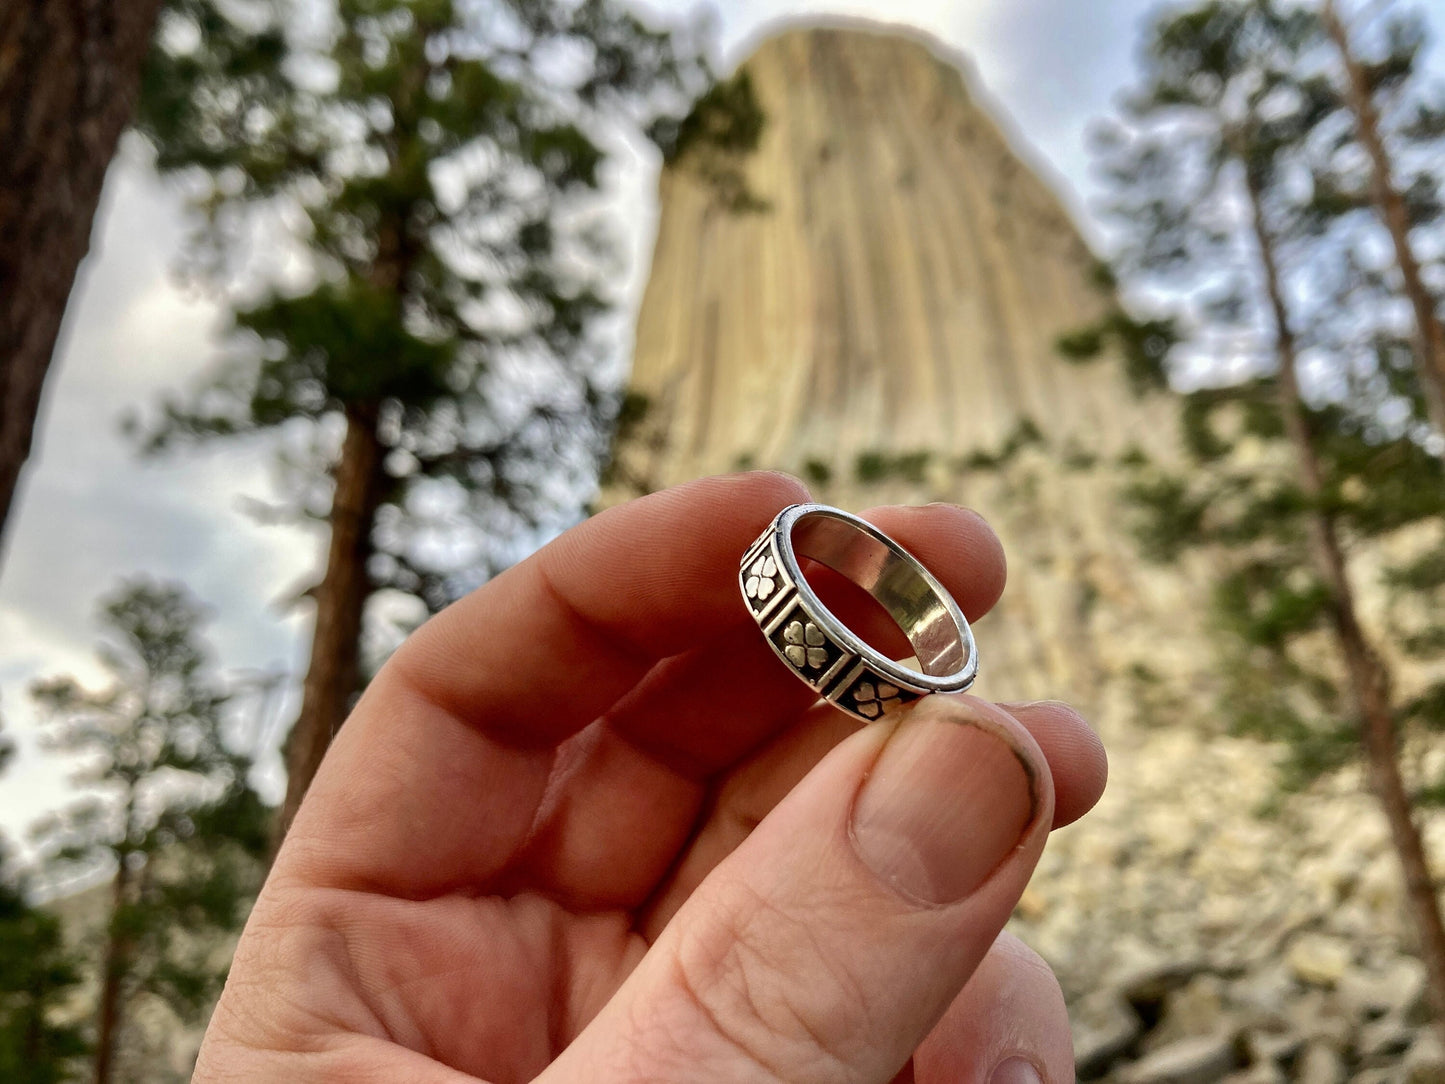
(440, 358)
(39, 974)
(168, 813)
(1396, 123)
(1226, 227)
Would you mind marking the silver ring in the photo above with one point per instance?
(824, 652)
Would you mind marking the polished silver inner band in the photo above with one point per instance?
(933, 622)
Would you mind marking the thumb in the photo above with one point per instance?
(829, 944)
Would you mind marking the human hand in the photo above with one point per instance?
(584, 827)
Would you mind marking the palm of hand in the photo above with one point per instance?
(496, 984)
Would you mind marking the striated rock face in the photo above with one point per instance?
(885, 327)
(888, 321)
(902, 287)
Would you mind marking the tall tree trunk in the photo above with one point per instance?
(69, 74)
(1429, 333)
(111, 1012)
(1368, 676)
(333, 674)
(33, 1048)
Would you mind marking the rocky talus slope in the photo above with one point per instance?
(884, 324)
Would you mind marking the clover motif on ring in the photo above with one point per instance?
(876, 701)
(804, 646)
(762, 580)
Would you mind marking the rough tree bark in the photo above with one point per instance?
(334, 673)
(110, 1013)
(108, 1016)
(1368, 675)
(1390, 203)
(69, 74)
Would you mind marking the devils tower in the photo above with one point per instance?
(881, 317)
(884, 323)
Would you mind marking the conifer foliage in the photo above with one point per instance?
(166, 812)
(1386, 164)
(437, 357)
(40, 975)
(1307, 437)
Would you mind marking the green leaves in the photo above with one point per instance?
(439, 165)
(469, 100)
(876, 466)
(170, 813)
(713, 141)
(40, 976)
(1239, 109)
(341, 344)
(1172, 517)
(1142, 345)
(1268, 603)
(1025, 434)
(727, 118)
(214, 94)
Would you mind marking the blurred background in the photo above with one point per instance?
(316, 314)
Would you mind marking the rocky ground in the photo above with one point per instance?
(1199, 939)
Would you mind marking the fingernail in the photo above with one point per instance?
(947, 801)
(1016, 1071)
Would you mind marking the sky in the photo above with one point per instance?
(90, 512)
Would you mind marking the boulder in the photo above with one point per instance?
(1195, 1009)
(1201, 1060)
(1262, 994)
(1319, 959)
(1382, 1041)
(1319, 1063)
(1273, 1047)
(1398, 987)
(1424, 1062)
(1264, 1072)
(1104, 1026)
(1317, 1015)
(1146, 987)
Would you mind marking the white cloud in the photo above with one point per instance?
(90, 512)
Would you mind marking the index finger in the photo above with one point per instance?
(438, 776)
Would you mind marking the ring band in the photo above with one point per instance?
(825, 653)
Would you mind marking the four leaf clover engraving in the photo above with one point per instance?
(805, 648)
(874, 702)
(761, 578)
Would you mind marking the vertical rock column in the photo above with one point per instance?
(887, 322)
